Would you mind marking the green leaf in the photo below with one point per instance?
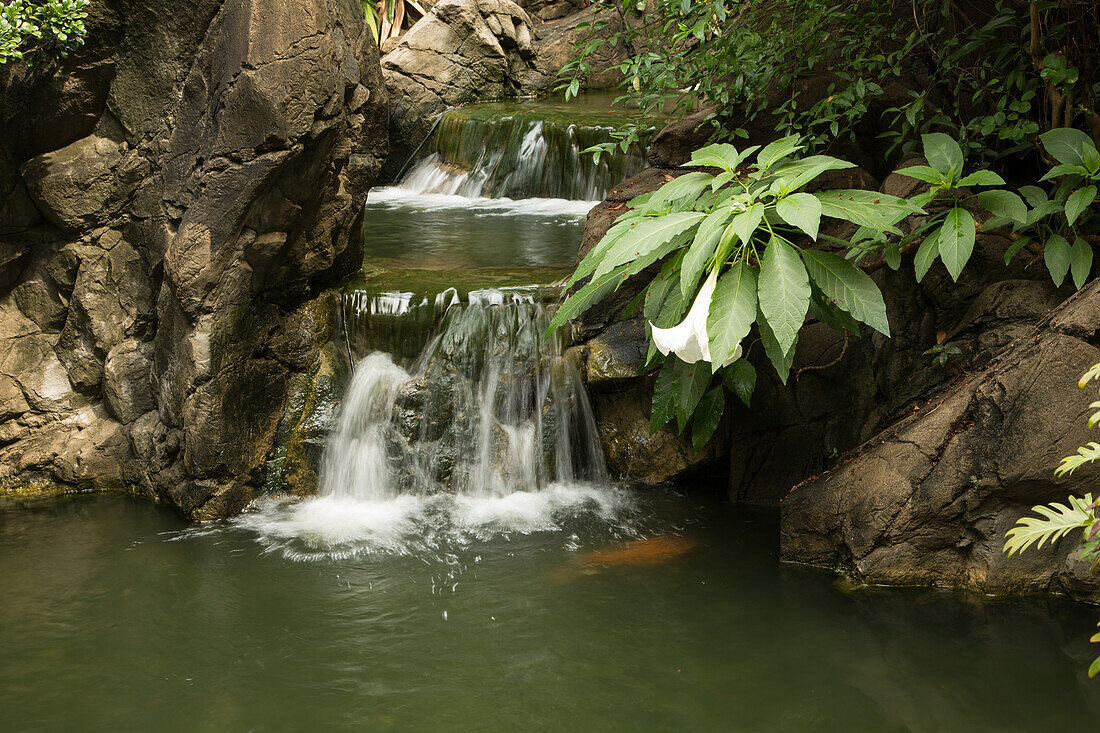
(1004, 203)
(585, 298)
(848, 287)
(732, 311)
(778, 149)
(693, 384)
(956, 240)
(1079, 201)
(677, 390)
(1056, 521)
(1014, 248)
(943, 153)
(719, 155)
(1034, 195)
(747, 222)
(617, 231)
(663, 295)
(1080, 262)
(927, 253)
(923, 173)
(681, 189)
(740, 378)
(879, 211)
(800, 210)
(783, 291)
(708, 414)
(1064, 170)
(780, 360)
(646, 237)
(1056, 257)
(828, 313)
(982, 178)
(800, 172)
(702, 248)
(1067, 145)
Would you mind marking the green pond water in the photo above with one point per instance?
(116, 616)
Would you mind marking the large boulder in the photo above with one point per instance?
(192, 178)
(460, 52)
(929, 499)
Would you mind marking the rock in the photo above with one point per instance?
(563, 30)
(73, 187)
(673, 144)
(617, 353)
(196, 179)
(633, 453)
(929, 499)
(460, 52)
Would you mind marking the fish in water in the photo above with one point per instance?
(636, 553)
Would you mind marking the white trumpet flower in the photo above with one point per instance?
(689, 340)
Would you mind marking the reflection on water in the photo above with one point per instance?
(115, 616)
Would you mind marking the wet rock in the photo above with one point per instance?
(930, 499)
(617, 353)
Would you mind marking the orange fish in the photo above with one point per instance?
(636, 553)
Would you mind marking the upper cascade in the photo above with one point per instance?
(521, 150)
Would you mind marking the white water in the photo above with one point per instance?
(488, 432)
(414, 196)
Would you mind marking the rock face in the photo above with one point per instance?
(460, 52)
(930, 499)
(466, 51)
(173, 198)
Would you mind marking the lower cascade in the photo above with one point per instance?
(461, 419)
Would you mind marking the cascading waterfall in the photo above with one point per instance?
(487, 429)
(522, 155)
(489, 407)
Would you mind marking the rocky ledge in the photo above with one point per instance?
(174, 197)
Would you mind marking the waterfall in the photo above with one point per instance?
(488, 407)
(461, 420)
(521, 155)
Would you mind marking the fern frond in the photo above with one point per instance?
(1091, 374)
(1096, 415)
(1085, 454)
(1056, 521)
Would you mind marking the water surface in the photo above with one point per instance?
(117, 616)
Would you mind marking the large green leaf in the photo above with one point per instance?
(1080, 262)
(1056, 257)
(943, 153)
(923, 173)
(776, 150)
(1067, 145)
(828, 313)
(646, 237)
(927, 253)
(783, 291)
(678, 388)
(663, 289)
(732, 311)
(1078, 202)
(800, 210)
(800, 172)
(879, 211)
(956, 241)
(708, 414)
(780, 360)
(702, 248)
(848, 287)
(719, 155)
(740, 377)
(685, 188)
(1056, 521)
(982, 178)
(618, 230)
(1004, 203)
(747, 222)
(580, 301)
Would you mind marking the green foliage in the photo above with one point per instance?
(29, 25)
(1056, 520)
(993, 76)
(744, 233)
